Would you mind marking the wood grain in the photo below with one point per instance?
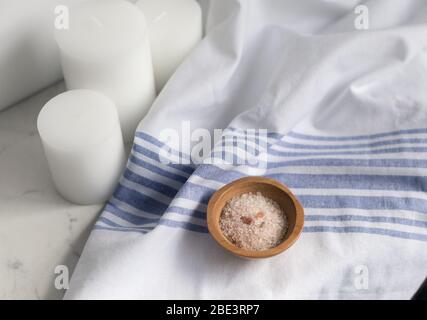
(269, 188)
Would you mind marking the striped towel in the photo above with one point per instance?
(342, 126)
(358, 184)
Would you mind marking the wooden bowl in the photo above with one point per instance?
(269, 188)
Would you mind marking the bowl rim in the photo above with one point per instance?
(216, 233)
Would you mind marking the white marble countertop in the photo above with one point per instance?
(38, 229)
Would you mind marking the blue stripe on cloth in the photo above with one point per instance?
(358, 137)
(218, 174)
(314, 162)
(231, 158)
(358, 202)
(238, 144)
(183, 225)
(114, 224)
(187, 212)
(391, 203)
(139, 200)
(151, 184)
(326, 181)
(270, 134)
(166, 222)
(120, 229)
(162, 145)
(245, 144)
(152, 155)
(310, 229)
(352, 146)
(373, 231)
(140, 203)
(254, 138)
(225, 157)
(227, 140)
(363, 202)
(157, 169)
(377, 219)
(334, 162)
(128, 216)
(195, 192)
(337, 153)
(353, 181)
(408, 235)
(201, 193)
(141, 221)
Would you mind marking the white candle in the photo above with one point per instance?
(106, 48)
(82, 140)
(175, 28)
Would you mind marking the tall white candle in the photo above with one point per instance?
(106, 48)
(82, 140)
(175, 28)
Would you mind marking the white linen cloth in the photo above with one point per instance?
(346, 111)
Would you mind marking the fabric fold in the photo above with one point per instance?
(301, 96)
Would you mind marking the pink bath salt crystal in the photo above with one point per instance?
(253, 222)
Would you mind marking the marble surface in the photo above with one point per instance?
(39, 230)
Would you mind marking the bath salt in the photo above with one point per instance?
(254, 222)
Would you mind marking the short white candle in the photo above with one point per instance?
(106, 48)
(83, 144)
(175, 28)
